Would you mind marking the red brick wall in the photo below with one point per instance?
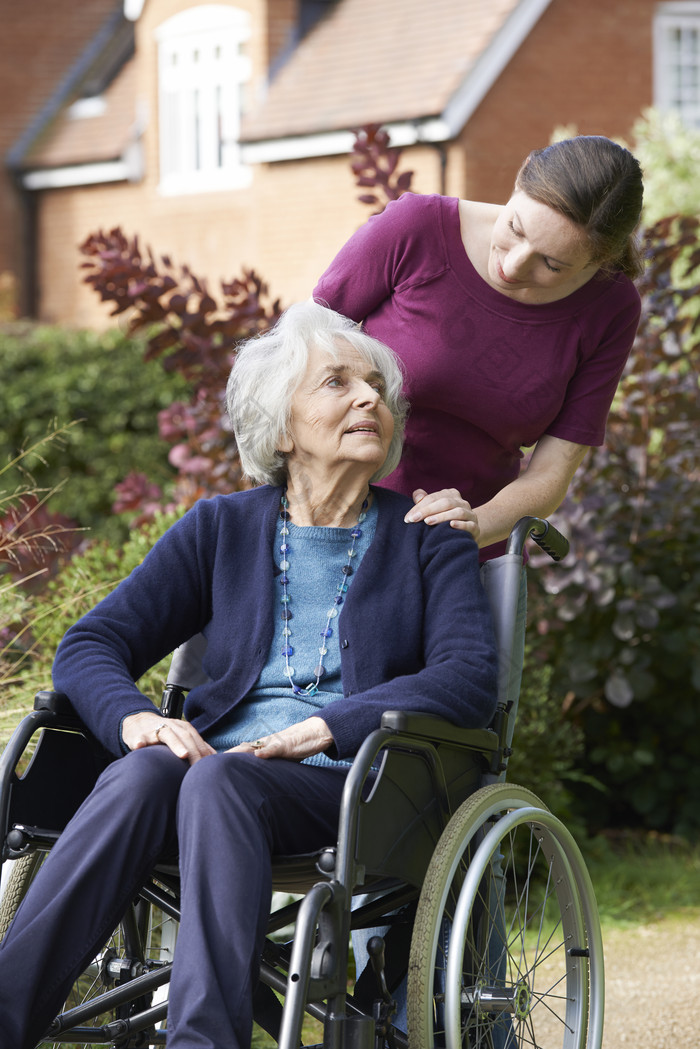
(586, 64)
(287, 227)
(39, 41)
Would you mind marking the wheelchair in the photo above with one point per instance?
(490, 915)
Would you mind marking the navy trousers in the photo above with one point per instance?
(226, 815)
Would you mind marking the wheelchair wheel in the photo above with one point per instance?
(506, 950)
(136, 944)
(21, 873)
(143, 943)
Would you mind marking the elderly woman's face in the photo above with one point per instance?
(339, 417)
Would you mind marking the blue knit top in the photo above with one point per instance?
(316, 556)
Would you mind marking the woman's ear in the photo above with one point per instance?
(285, 444)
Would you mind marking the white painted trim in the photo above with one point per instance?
(676, 9)
(659, 29)
(133, 9)
(205, 18)
(334, 143)
(298, 147)
(87, 108)
(669, 16)
(79, 175)
(413, 132)
(190, 183)
(492, 62)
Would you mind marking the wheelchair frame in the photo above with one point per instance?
(461, 830)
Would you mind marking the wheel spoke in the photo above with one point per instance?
(145, 939)
(504, 891)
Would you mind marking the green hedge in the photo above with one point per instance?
(52, 376)
(25, 666)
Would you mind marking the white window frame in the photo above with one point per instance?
(202, 73)
(677, 59)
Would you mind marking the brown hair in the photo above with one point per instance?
(598, 185)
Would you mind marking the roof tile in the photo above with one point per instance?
(91, 139)
(377, 61)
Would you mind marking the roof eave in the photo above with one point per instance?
(76, 175)
(129, 167)
(334, 143)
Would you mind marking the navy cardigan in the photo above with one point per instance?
(415, 631)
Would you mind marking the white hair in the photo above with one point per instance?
(268, 370)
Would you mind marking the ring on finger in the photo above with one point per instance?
(257, 744)
(160, 728)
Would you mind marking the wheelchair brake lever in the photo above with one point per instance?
(385, 1009)
(375, 949)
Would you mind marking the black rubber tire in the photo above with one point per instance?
(21, 874)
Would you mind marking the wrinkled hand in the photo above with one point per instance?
(445, 505)
(147, 730)
(295, 743)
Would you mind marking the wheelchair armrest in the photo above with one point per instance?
(60, 772)
(56, 702)
(427, 726)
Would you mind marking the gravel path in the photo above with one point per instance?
(652, 977)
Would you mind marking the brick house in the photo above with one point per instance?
(219, 131)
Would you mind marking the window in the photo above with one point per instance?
(677, 60)
(202, 70)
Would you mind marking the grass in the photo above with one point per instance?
(312, 1034)
(13, 705)
(642, 878)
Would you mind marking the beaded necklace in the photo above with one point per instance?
(342, 589)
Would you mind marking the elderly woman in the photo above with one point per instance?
(322, 609)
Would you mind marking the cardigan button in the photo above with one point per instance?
(344, 643)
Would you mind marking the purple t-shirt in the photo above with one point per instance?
(486, 375)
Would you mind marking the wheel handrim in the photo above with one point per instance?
(507, 1011)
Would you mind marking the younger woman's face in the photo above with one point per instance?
(536, 253)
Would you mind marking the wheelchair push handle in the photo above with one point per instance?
(547, 537)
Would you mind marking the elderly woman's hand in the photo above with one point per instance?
(295, 743)
(445, 505)
(146, 730)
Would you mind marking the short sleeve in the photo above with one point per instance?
(387, 249)
(591, 389)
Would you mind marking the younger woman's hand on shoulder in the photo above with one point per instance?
(445, 505)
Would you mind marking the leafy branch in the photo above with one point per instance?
(192, 332)
(374, 164)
